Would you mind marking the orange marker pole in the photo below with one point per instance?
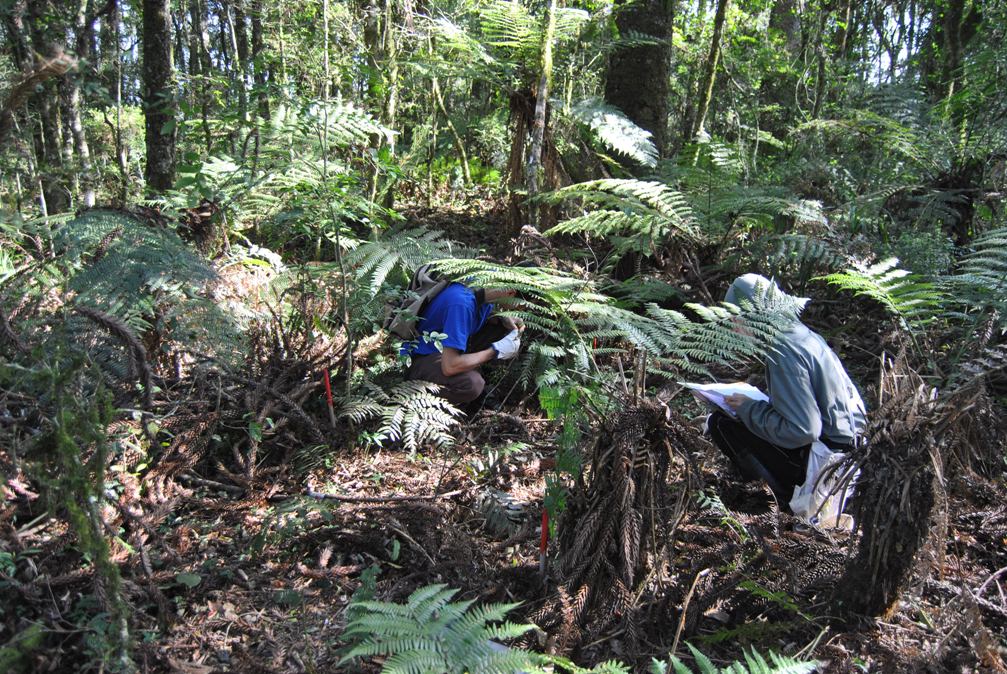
(328, 398)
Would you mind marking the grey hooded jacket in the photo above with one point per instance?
(810, 394)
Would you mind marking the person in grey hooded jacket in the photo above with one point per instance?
(811, 397)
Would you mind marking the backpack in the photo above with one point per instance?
(401, 317)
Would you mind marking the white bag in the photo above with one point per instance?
(820, 500)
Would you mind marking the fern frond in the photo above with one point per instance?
(429, 634)
(914, 300)
(898, 138)
(632, 39)
(410, 412)
(137, 274)
(616, 130)
(650, 210)
(407, 249)
(754, 663)
(796, 256)
(510, 25)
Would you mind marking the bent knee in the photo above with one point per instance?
(466, 387)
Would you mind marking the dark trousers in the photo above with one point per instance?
(757, 459)
(466, 387)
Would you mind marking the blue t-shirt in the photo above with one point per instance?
(454, 313)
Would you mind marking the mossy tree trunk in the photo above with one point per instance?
(637, 80)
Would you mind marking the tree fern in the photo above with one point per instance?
(404, 249)
(512, 26)
(141, 275)
(431, 634)
(291, 183)
(898, 139)
(576, 322)
(980, 280)
(796, 257)
(694, 200)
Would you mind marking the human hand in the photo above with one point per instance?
(508, 347)
(735, 401)
(512, 323)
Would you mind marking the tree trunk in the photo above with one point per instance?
(224, 38)
(200, 66)
(13, 19)
(49, 132)
(109, 52)
(259, 91)
(710, 70)
(778, 86)
(239, 44)
(180, 35)
(199, 41)
(258, 59)
(843, 31)
(84, 29)
(638, 77)
(241, 38)
(951, 72)
(534, 163)
(158, 97)
(820, 80)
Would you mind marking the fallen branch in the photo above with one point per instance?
(203, 482)
(309, 491)
(55, 66)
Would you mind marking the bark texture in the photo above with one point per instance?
(158, 98)
(637, 79)
(710, 70)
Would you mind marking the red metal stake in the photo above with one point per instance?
(328, 398)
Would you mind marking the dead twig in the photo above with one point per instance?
(203, 482)
(309, 491)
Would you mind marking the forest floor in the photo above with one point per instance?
(258, 583)
(256, 579)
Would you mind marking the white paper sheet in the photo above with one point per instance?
(714, 394)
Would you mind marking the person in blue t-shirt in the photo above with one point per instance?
(473, 336)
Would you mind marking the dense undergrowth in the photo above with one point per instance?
(203, 427)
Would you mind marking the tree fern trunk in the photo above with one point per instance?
(895, 501)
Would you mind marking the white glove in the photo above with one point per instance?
(507, 347)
